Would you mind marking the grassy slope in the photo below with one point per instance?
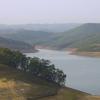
(15, 85)
(67, 94)
(85, 37)
(35, 33)
(29, 36)
(91, 98)
(16, 45)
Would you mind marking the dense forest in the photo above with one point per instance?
(32, 66)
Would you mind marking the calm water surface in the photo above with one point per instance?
(83, 73)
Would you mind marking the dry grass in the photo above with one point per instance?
(91, 98)
(67, 94)
(84, 53)
(8, 90)
(15, 85)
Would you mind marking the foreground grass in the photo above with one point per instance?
(67, 94)
(91, 98)
(15, 85)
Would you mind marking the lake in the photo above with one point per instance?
(83, 73)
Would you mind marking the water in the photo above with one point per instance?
(83, 73)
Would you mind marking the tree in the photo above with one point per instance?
(43, 69)
(33, 66)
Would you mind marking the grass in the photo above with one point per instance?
(15, 85)
(91, 98)
(66, 94)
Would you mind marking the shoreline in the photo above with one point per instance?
(86, 54)
(73, 51)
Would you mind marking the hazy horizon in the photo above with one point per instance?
(49, 11)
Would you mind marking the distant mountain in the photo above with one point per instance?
(35, 33)
(85, 37)
(16, 45)
(55, 28)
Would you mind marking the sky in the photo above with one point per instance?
(49, 11)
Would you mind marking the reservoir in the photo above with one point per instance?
(83, 73)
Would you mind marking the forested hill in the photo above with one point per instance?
(28, 36)
(35, 33)
(24, 78)
(16, 45)
(85, 37)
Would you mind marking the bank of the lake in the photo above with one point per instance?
(82, 72)
(72, 51)
(87, 54)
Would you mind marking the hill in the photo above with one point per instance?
(54, 28)
(34, 33)
(16, 45)
(16, 85)
(28, 36)
(24, 78)
(85, 37)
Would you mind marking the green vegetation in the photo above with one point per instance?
(35, 34)
(17, 85)
(29, 36)
(24, 78)
(68, 94)
(16, 45)
(33, 66)
(85, 37)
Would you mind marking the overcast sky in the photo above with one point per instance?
(49, 11)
